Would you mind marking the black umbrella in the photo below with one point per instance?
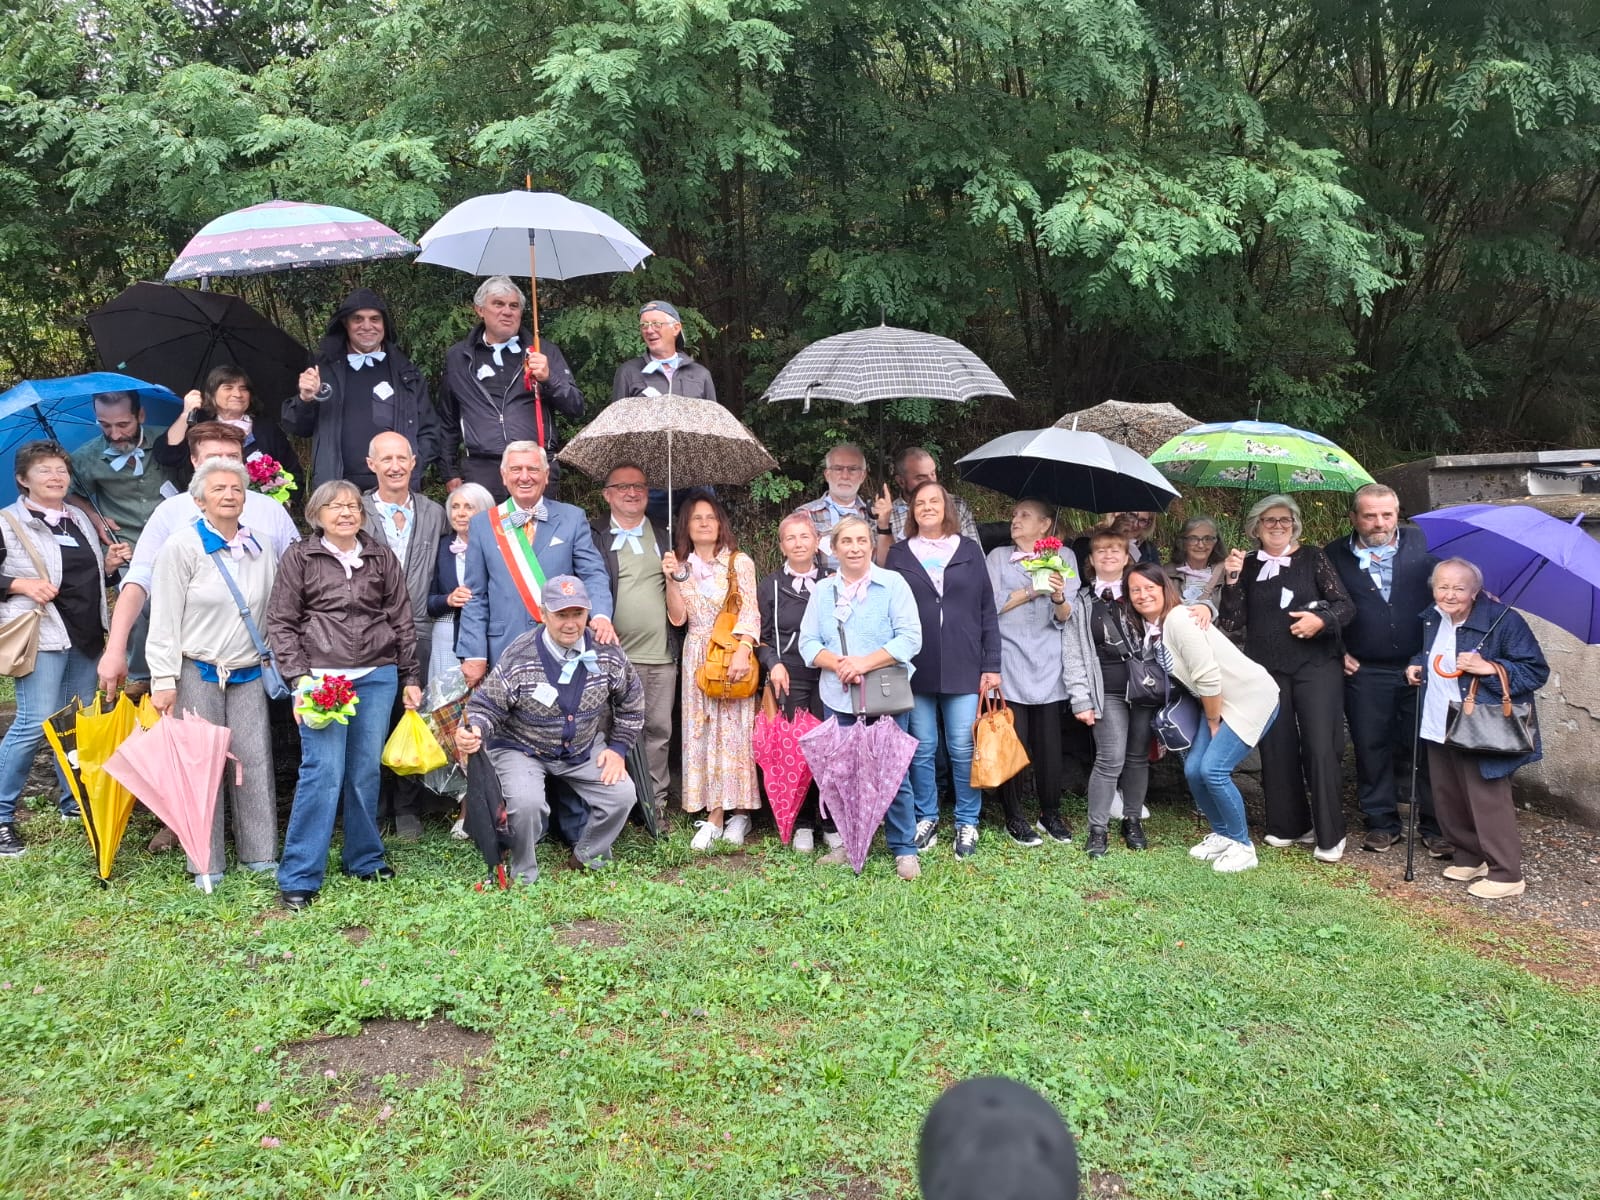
(1069, 469)
(484, 816)
(175, 335)
(643, 787)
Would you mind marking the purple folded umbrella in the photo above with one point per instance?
(858, 769)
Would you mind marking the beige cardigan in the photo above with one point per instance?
(1208, 664)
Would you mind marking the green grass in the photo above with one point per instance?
(775, 1032)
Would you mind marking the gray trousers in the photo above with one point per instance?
(242, 709)
(1121, 759)
(528, 810)
(660, 693)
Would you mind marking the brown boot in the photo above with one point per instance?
(163, 841)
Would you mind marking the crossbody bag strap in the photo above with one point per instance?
(27, 546)
(244, 609)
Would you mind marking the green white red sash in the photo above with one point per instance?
(516, 547)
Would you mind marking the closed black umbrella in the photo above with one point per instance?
(484, 817)
(174, 336)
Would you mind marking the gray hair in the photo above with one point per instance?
(1252, 519)
(1377, 491)
(1471, 568)
(850, 447)
(325, 494)
(497, 285)
(211, 466)
(524, 447)
(475, 493)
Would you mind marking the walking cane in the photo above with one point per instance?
(1416, 748)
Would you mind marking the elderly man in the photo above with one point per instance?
(411, 525)
(361, 385)
(1386, 570)
(559, 703)
(913, 467)
(844, 469)
(500, 388)
(663, 369)
(633, 546)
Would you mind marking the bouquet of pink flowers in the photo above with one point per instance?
(268, 477)
(321, 702)
(1047, 561)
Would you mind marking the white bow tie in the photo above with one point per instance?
(512, 343)
(1271, 564)
(359, 360)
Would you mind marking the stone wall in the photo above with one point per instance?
(1567, 780)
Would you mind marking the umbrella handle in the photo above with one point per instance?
(1438, 669)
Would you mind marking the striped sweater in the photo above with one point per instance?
(609, 703)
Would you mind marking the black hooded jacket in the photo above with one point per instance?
(483, 420)
(323, 419)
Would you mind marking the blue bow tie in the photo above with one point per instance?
(665, 365)
(587, 659)
(632, 538)
(119, 459)
(512, 343)
(521, 516)
(357, 361)
(1370, 556)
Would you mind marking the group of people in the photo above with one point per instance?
(582, 634)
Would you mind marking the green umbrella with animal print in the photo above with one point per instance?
(1260, 456)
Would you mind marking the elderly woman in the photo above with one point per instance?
(340, 607)
(1196, 561)
(719, 774)
(1467, 634)
(1239, 702)
(1032, 645)
(782, 598)
(1289, 604)
(860, 620)
(959, 660)
(203, 658)
(449, 593)
(227, 396)
(50, 561)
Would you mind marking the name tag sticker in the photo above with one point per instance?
(383, 391)
(485, 371)
(168, 491)
(544, 694)
(1285, 597)
(63, 539)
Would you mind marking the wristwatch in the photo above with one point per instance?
(882, 532)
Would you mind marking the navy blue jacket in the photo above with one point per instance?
(960, 631)
(1507, 640)
(1386, 632)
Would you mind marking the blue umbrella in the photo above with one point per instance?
(63, 411)
(1529, 560)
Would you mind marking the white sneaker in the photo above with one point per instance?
(803, 841)
(459, 830)
(705, 834)
(1116, 813)
(1239, 856)
(735, 829)
(1308, 838)
(1211, 848)
(832, 839)
(1332, 854)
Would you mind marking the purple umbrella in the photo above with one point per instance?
(1529, 560)
(858, 769)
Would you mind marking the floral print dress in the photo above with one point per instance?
(719, 770)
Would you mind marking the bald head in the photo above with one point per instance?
(389, 457)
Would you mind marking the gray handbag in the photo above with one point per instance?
(884, 692)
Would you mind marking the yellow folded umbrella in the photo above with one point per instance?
(106, 804)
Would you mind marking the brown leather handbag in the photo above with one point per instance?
(712, 676)
(19, 637)
(997, 751)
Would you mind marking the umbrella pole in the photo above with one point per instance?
(669, 483)
(533, 293)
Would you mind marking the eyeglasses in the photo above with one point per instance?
(1448, 589)
(343, 507)
(1203, 539)
(632, 488)
(647, 326)
(846, 470)
(1278, 522)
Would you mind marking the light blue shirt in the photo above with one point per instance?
(885, 618)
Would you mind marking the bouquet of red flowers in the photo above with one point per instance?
(332, 698)
(268, 477)
(1047, 561)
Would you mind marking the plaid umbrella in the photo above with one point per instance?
(1140, 427)
(1259, 456)
(885, 363)
(858, 770)
(281, 235)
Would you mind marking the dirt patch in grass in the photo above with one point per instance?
(356, 934)
(410, 1051)
(1107, 1185)
(736, 862)
(601, 935)
(1096, 897)
(849, 1187)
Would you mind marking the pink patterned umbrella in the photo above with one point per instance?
(858, 769)
(784, 769)
(175, 769)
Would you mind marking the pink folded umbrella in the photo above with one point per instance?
(176, 768)
(784, 770)
(858, 769)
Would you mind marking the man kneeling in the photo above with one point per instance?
(558, 703)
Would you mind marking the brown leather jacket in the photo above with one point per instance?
(318, 618)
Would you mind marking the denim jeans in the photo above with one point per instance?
(1209, 766)
(339, 760)
(959, 712)
(900, 822)
(57, 676)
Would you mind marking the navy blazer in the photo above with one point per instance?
(960, 630)
(1499, 634)
(496, 615)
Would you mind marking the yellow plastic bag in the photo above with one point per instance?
(412, 749)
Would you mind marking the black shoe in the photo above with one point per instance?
(1438, 846)
(1133, 834)
(927, 835)
(295, 901)
(1096, 845)
(11, 843)
(380, 875)
(1055, 827)
(1379, 841)
(966, 841)
(1022, 833)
